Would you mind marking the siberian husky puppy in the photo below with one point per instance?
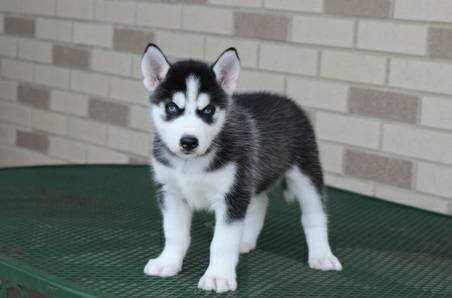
(222, 151)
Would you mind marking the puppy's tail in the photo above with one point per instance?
(289, 196)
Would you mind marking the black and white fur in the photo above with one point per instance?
(245, 143)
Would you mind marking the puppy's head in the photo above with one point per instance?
(189, 99)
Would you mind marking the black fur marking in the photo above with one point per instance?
(160, 194)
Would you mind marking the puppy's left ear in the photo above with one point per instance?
(154, 67)
(227, 70)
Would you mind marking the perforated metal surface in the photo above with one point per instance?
(91, 229)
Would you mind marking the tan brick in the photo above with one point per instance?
(19, 26)
(159, 15)
(264, 26)
(361, 8)
(68, 102)
(115, 11)
(71, 57)
(238, 3)
(258, 81)
(8, 46)
(87, 130)
(348, 130)
(33, 141)
(13, 156)
(440, 42)
(354, 67)
(93, 34)
(136, 67)
(205, 19)
(128, 90)
(100, 155)
(39, 7)
(421, 75)
(11, 6)
(425, 10)
(290, 59)
(8, 89)
(383, 104)
(392, 37)
(54, 29)
(181, 45)
(247, 49)
(436, 112)
(140, 118)
(350, 184)
(332, 157)
(33, 96)
(7, 134)
(434, 179)
(133, 41)
(323, 30)
(88, 82)
(49, 121)
(35, 50)
(318, 94)
(19, 70)
(295, 5)
(80, 9)
(15, 113)
(138, 160)
(417, 142)
(2, 21)
(128, 140)
(51, 76)
(112, 62)
(67, 150)
(109, 112)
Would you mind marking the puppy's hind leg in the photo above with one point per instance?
(253, 223)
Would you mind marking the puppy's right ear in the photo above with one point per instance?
(154, 67)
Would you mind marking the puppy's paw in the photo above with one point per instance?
(163, 267)
(219, 281)
(325, 262)
(247, 246)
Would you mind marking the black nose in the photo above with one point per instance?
(189, 142)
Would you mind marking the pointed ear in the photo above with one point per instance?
(227, 69)
(154, 67)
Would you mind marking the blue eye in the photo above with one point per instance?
(209, 110)
(172, 108)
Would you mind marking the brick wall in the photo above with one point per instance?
(374, 75)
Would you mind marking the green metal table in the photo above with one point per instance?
(87, 231)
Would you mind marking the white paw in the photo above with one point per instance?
(218, 281)
(246, 247)
(163, 267)
(325, 262)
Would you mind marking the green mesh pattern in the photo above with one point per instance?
(91, 229)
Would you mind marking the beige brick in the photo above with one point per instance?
(181, 45)
(361, 8)
(265, 26)
(332, 157)
(12, 156)
(128, 90)
(19, 26)
(138, 160)
(128, 140)
(440, 42)
(354, 67)
(290, 59)
(417, 142)
(49, 121)
(8, 89)
(67, 150)
(140, 118)
(8, 46)
(2, 21)
(295, 5)
(109, 112)
(33, 141)
(87, 130)
(93, 34)
(350, 184)
(258, 81)
(72, 57)
(348, 129)
(7, 134)
(15, 113)
(383, 104)
(421, 75)
(247, 49)
(136, 67)
(411, 198)
(425, 10)
(436, 112)
(238, 3)
(19, 70)
(52, 76)
(35, 50)
(318, 94)
(34, 96)
(39, 7)
(68, 102)
(11, 6)
(88, 82)
(111, 62)
(434, 179)
(100, 155)
(133, 41)
(54, 29)
(323, 30)
(392, 37)
(115, 11)
(211, 20)
(159, 15)
(80, 9)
